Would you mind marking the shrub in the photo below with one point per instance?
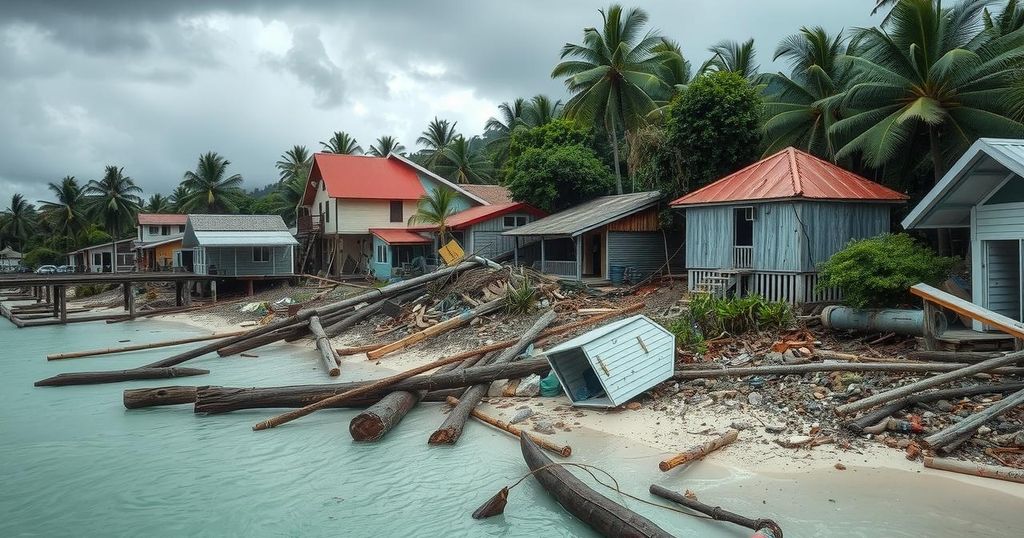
(521, 299)
(879, 271)
(709, 316)
(42, 256)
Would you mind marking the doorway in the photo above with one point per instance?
(188, 260)
(1002, 284)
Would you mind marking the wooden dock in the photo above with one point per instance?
(50, 295)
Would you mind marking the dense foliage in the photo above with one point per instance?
(879, 271)
(709, 316)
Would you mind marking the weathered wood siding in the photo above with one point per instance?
(485, 237)
(776, 237)
(237, 261)
(827, 227)
(644, 251)
(644, 221)
(358, 216)
(709, 237)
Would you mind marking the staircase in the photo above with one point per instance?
(309, 229)
(717, 283)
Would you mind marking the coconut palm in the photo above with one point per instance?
(614, 76)
(293, 163)
(734, 56)
(434, 209)
(341, 143)
(114, 201)
(385, 146)
(18, 222)
(541, 110)
(797, 108)
(210, 189)
(438, 135)
(499, 129)
(286, 198)
(158, 203)
(678, 72)
(464, 163)
(66, 214)
(178, 197)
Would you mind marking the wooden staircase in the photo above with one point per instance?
(717, 284)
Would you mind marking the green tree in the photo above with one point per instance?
(541, 110)
(434, 209)
(158, 203)
(66, 214)
(438, 135)
(293, 163)
(678, 72)
(614, 76)
(385, 146)
(510, 116)
(210, 189)
(18, 222)
(114, 201)
(928, 80)
(733, 56)
(287, 198)
(464, 164)
(714, 127)
(342, 144)
(799, 108)
(178, 198)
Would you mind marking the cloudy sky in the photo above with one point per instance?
(150, 84)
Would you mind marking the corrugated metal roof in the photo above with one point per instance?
(9, 253)
(146, 219)
(363, 177)
(399, 236)
(788, 174)
(589, 215)
(473, 215)
(237, 223)
(980, 170)
(248, 239)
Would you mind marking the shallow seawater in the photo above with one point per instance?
(74, 462)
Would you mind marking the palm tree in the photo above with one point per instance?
(434, 209)
(385, 146)
(287, 197)
(798, 108)
(18, 222)
(114, 200)
(734, 56)
(295, 162)
(342, 144)
(541, 110)
(1010, 19)
(66, 214)
(499, 129)
(678, 71)
(438, 135)
(209, 190)
(465, 164)
(178, 198)
(158, 203)
(615, 77)
(928, 79)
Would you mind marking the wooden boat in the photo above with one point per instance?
(601, 513)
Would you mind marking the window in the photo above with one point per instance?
(97, 259)
(153, 230)
(261, 254)
(514, 221)
(165, 230)
(181, 229)
(396, 211)
(382, 254)
(327, 212)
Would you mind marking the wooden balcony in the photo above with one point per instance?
(743, 257)
(309, 224)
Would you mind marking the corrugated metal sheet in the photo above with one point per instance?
(589, 215)
(236, 239)
(364, 177)
(643, 251)
(790, 173)
(237, 223)
(709, 237)
(828, 227)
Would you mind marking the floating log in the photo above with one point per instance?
(877, 415)
(800, 369)
(562, 450)
(975, 469)
(323, 344)
(434, 330)
(699, 451)
(225, 399)
(928, 382)
(960, 430)
(113, 376)
(716, 512)
(605, 516)
(355, 350)
(173, 395)
(451, 428)
(138, 347)
(285, 333)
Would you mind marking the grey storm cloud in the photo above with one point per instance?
(151, 84)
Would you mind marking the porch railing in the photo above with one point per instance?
(743, 257)
(566, 268)
(307, 224)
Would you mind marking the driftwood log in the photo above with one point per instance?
(800, 369)
(716, 512)
(975, 469)
(967, 357)
(928, 382)
(323, 345)
(562, 450)
(434, 330)
(966, 427)
(139, 347)
(451, 428)
(877, 415)
(114, 376)
(699, 451)
(368, 312)
(183, 394)
(355, 350)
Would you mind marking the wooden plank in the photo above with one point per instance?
(971, 310)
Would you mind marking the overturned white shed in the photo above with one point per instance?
(609, 365)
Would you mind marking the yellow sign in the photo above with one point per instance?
(451, 253)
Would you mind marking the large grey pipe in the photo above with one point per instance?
(909, 322)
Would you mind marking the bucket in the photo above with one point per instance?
(616, 273)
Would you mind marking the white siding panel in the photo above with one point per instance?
(358, 216)
(1000, 221)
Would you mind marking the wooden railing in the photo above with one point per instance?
(307, 224)
(743, 257)
(566, 268)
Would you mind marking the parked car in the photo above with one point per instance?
(46, 270)
(66, 269)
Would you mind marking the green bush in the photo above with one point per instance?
(710, 316)
(521, 299)
(42, 256)
(879, 271)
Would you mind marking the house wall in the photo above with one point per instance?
(145, 236)
(485, 237)
(381, 268)
(644, 251)
(1002, 287)
(358, 216)
(237, 261)
(709, 237)
(997, 240)
(462, 202)
(830, 226)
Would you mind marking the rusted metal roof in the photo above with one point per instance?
(155, 219)
(789, 174)
(399, 236)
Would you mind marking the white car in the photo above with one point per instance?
(46, 270)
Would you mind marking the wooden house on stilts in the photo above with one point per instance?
(765, 229)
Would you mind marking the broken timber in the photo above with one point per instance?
(716, 512)
(800, 369)
(998, 321)
(562, 450)
(323, 345)
(699, 451)
(975, 469)
(875, 416)
(138, 347)
(114, 376)
(966, 427)
(444, 326)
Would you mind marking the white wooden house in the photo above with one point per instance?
(238, 246)
(97, 258)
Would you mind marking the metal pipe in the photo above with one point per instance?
(909, 322)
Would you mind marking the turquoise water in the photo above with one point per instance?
(74, 462)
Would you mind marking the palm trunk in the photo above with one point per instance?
(939, 170)
(613, 136)
(113, 253)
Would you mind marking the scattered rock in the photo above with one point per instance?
(775, 428)
(740, 425)
(522, 414)
(755, 398)
(544, 427)
(840, 467)
(633, 406)
(529, 386)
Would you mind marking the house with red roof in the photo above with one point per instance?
(157, 239)
(765, 229)
(354, 215)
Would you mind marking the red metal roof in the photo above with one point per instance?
(790, 173)
(147, 219)
(399, 236)
(363, 177)
(465, 219)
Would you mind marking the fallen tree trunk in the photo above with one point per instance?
(800, 369)
(960, 430)
(975, 469)
(138, 347)
(153, 397)
(928, 382)
(214, 399)
(716, 512)
(562, 450)
(434, 330)
(875, 416)
(966, 357)
(114, 376)
(368, 312)
(323, 345)
(355, 350)
(699, 451)
(262, 340)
